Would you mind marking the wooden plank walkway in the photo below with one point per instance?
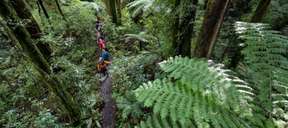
(108, 112)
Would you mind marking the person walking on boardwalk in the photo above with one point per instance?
(101, 43)
(103, 63)
(98, 25)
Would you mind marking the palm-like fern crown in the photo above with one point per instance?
(266, 59)
(193, 95)
(139, 6)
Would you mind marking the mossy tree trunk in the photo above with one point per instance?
(213, 20)
(183, 26)
(24, 12)
(260, 11)
(40, 63)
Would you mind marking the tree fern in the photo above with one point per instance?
(142, 36)
(194, 94)
(139, 6)
(266, 60)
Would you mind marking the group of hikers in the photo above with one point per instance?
(104, 59)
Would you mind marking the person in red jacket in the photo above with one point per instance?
(101, 43)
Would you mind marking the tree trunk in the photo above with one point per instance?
(59, 9)
(111, 6)
(24, 12)
(232, 51)
(40, 2)
(213, 20)
(9, 34)
(119, 8)
(183, 26)
(260, 11)
(38, 7)
(175, 27)
(205, 4)
(39, 62)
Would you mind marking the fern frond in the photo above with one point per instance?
(203, 78)
(266, 59)
(207, 96)
(155, 121)
(142, 36)
(139, 6)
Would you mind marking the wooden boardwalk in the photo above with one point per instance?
(108, 112)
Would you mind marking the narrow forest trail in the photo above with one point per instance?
(109, 109)
(108, 112)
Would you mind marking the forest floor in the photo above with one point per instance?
(108, 112)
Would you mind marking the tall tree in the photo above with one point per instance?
(213, 20)
(24, 12)
(111, 6)
(260, 11)
(183, 26)
(59, 9)
(40, 2)
(40, 63)
(119, 8)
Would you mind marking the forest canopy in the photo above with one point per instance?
(143, 64)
